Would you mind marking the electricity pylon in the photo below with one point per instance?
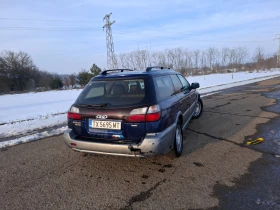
(278, 54)
(111, 58)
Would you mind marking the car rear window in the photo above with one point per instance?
(114, 93)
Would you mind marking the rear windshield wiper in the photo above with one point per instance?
(92, 105)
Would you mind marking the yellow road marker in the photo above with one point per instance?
(257, 141)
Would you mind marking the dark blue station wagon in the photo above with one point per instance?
(133, 113)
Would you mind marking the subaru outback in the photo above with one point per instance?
(133, 113)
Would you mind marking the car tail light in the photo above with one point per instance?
(144, 114)
(73, 113)
(137, 115)
(153, 117)
(136, 118)
(74, 116)
(153, 113)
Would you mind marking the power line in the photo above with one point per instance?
(44, 29)
(111, 58)
(208, 40)
(140, 32)
(47, 20)
(133, 34)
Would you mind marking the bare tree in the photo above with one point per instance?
(188, 62)
(203, 60)
(241, 54)
(232, 56)
(162, 59)
(170, 56)
(225, 53)
(210, 57)
(258, 57)
(217, 60)
(196, 55)
(18, 67)
(178, 58)
(270, 60)
(144, 59)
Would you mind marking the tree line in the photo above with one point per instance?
(18, 73)
(83, 77)
(211, 60)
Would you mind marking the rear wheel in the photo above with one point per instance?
(198, 109)
(178, 141)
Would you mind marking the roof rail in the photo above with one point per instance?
(121, 70)
(156, 67)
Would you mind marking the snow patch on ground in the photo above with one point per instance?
(19, 128)
(218, 79)
(204, 91)
(209, 94)
(32, 137)
(33, 105)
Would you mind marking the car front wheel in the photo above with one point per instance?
(198, 109)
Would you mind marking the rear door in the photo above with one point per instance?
(182, 97)
(168, 101)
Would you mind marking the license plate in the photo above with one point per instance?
(111, 125)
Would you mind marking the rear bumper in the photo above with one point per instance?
(153, 144)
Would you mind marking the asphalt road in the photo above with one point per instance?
(216, 170)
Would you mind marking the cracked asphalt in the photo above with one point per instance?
(216, 171)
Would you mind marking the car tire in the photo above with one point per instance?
(178, 141)
(198, 109)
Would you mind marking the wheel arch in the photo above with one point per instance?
(179, 118)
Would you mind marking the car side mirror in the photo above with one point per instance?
(195, 85)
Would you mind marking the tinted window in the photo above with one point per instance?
(164, 87)
(135, 86)
(186, 84)
(114, 93)
(95, 92)
(177, 84)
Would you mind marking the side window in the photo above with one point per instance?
(186, 84)
(177, 84)
(164, 87)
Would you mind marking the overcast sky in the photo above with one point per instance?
(75, 38)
